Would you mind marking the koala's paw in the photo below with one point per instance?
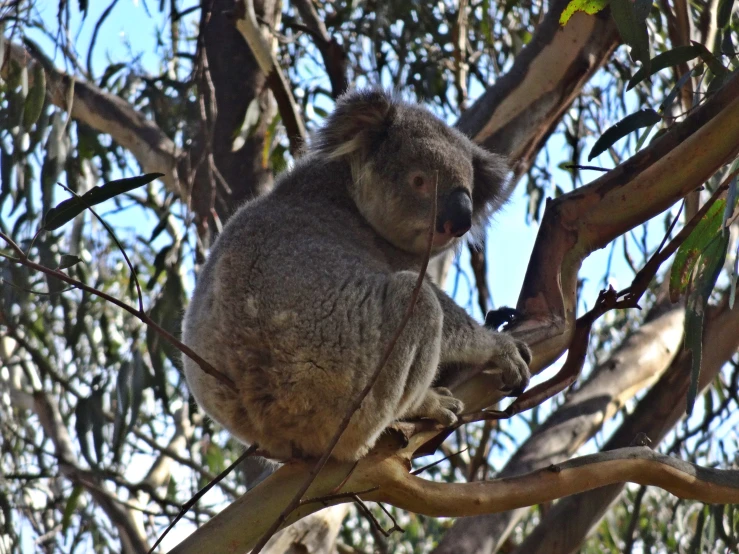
(512, 357)
(440, 405)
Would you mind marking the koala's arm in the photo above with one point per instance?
(466, 342)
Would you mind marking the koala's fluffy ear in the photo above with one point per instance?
(489, 172)
(358, 121)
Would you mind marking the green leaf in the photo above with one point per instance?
(713, 63)
(630, 19)
(98, 422)
(590, 7)
(688, 254)
(123, 388)
(710, 263)
(36, 96)
(72, 207)
(70, 507)
(676, 56)
(667, 102)
(68, 260)
(724, 13)
(82, 425)
(642, 118)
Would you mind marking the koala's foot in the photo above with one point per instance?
(438, 404)
(512, 357)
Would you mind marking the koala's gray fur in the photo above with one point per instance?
(305, 286)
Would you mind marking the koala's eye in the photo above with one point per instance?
(419, 182)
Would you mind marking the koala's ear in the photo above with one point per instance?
(489, 176)
(358, 121)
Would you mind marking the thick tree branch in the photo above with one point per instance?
(576, 224)
(107, 113)
(246, 23)
(635, 364)
(517, 114)
(237, 528)
(571, 519)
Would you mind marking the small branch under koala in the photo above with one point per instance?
(198, 495)
(22, 259)
(373, 520)
(316, 469)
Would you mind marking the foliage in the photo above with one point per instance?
(116, 383)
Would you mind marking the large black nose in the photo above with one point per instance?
(455, 216)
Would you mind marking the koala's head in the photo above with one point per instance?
(399, 154)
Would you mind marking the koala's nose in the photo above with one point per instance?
(455, 217)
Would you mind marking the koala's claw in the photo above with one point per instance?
(513, 358)
(441, 406)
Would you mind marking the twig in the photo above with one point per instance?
(205, 366)
(333, 54)
(373, 519)
(437, 462)
(395, 526)
(198, 495)
(336, 496)
(117, 242)
(315, 470)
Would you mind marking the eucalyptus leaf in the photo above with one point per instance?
(709, 266)
(72, 207)
(632, 27)
(642, 118)
(676, 56)
(689, 252)
(68, 260)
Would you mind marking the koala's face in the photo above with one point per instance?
(417, 158)
(401, 157)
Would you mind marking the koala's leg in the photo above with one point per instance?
(417, 350)
(469, 344)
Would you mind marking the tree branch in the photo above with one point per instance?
(237, 528)
(571, 519)
(107, 113)
(635, 364)
(576, 224)
(334, 57)
(246, 23)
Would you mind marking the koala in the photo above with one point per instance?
(305, 287)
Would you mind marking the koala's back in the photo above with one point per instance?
(265, 313)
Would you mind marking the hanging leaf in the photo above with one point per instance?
(68, 260)
(82, 426)
(71, 507)
(688, 254)
(123, 403)
(724, 13)
(630, 19)
(98, 423)
(671, 58)
(713, 63)
(642, 118)
(709, 266)
(36, 95)
(72, 207)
